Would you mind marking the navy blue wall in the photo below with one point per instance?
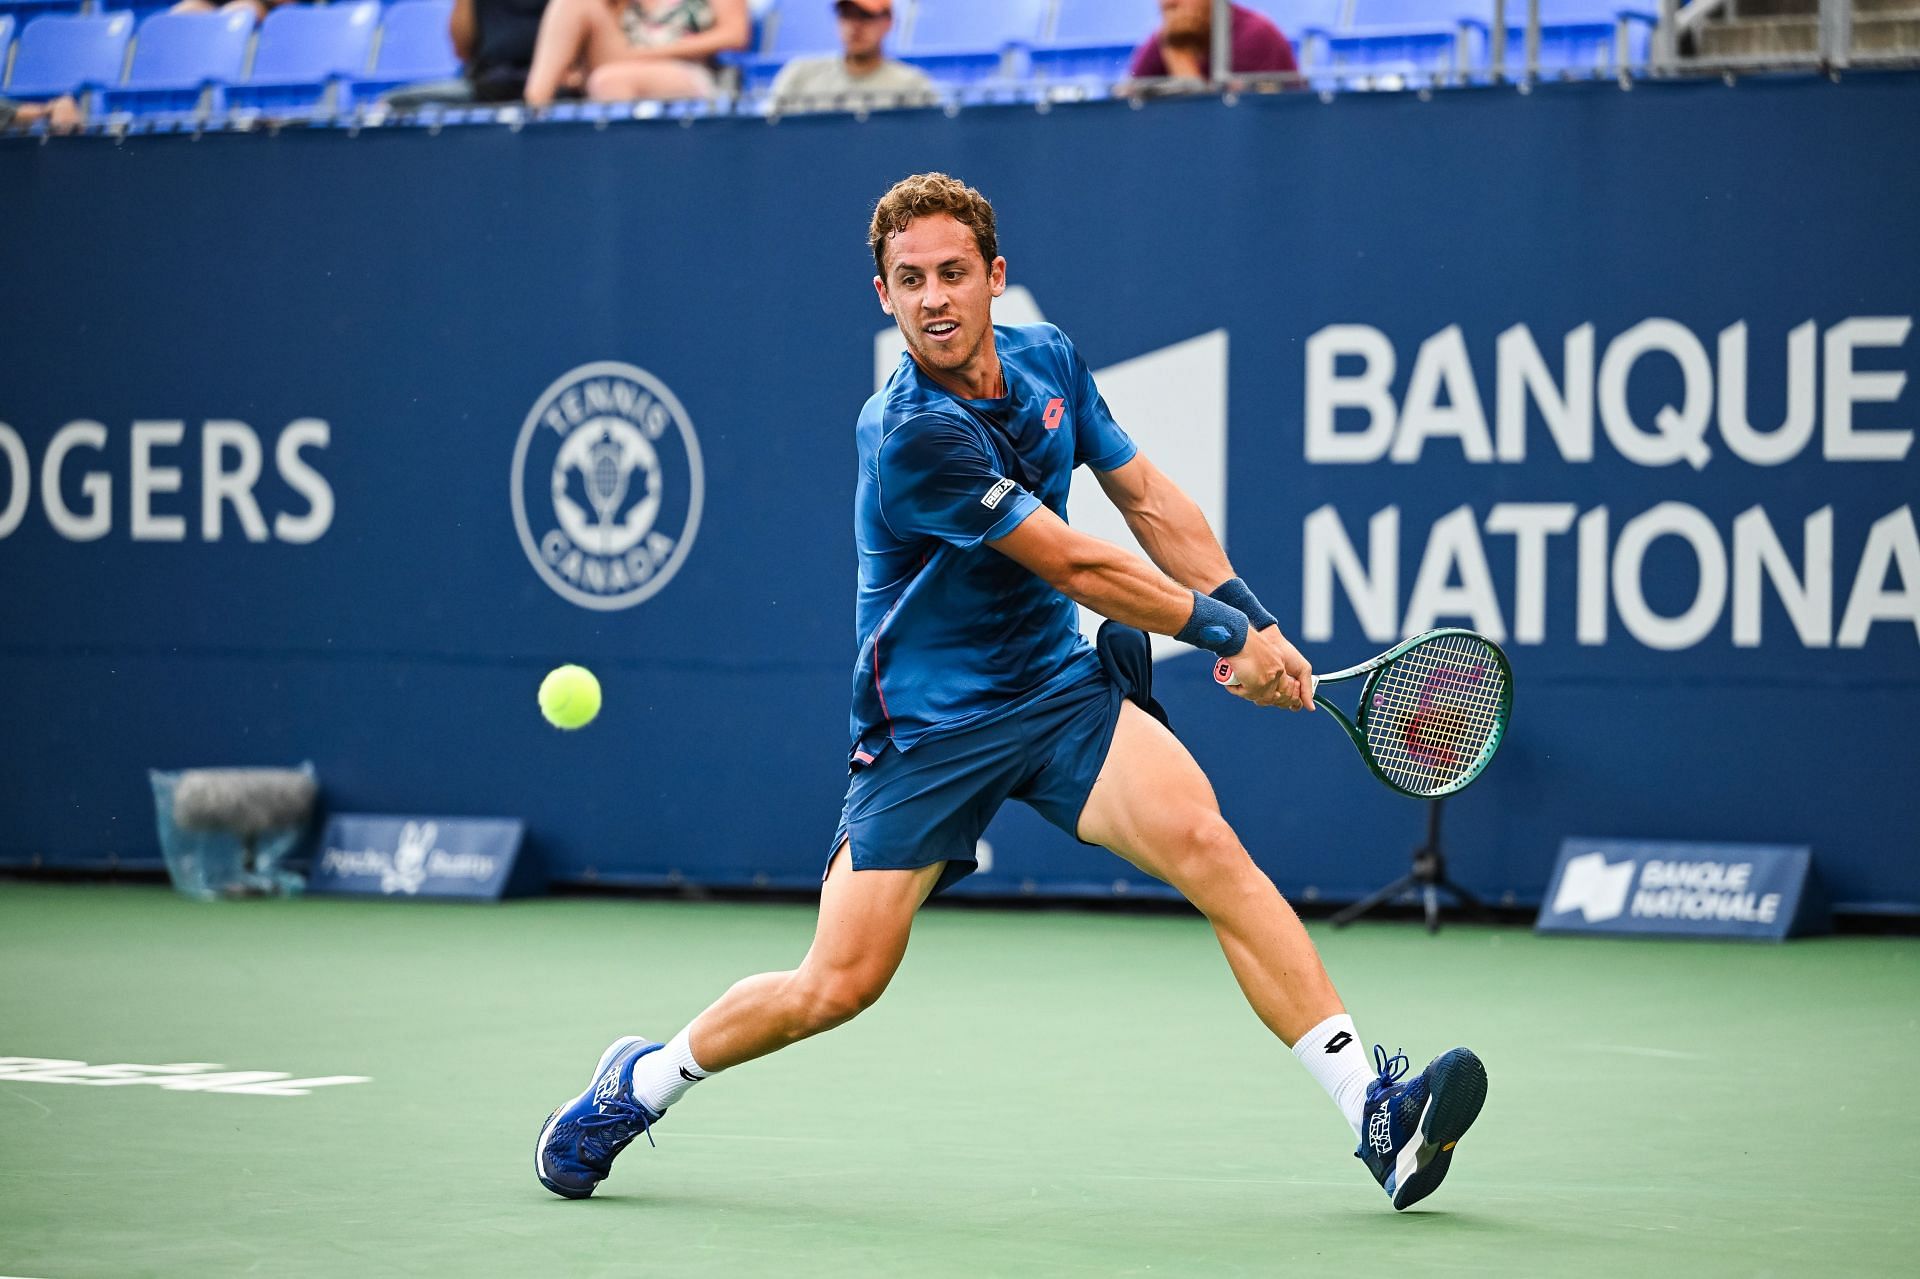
(417, 294)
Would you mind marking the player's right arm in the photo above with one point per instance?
(1116, 583)
(935, 477)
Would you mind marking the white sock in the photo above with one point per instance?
(1332, 1055)
(660, 1077)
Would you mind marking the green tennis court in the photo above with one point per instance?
(1040, 1093)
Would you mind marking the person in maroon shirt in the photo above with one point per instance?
(1183, 44)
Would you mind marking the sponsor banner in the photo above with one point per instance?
(476, 857)
(1759, 891)
(445, 449)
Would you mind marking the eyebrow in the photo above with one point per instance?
(914, 266)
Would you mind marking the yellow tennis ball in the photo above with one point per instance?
(569, 697)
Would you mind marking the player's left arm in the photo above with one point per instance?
(1168, 524)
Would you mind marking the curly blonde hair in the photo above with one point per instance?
(927, 195)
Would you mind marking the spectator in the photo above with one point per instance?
(62, 114)
(494, 39)
(258, 8)
(861, 75)
(1183, 46)
(628, 49)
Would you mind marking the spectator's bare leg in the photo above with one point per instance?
(572, 31)
(658, 79)
(62, 114)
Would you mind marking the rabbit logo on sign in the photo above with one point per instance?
(409, 869)
(607, 485)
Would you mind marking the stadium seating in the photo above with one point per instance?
(962, 41)
(1305, 23)
(181, 63)
(302, 51)
(1575, 35)
(23, 10)
(60, 54)
(1392, 40)
(415, 45)
(1094, 39)
(6, 43)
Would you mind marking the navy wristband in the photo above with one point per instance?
(1237, 593)
(1219, 628)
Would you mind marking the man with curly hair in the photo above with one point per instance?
(973, 686)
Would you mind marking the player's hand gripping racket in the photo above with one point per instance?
(1432, 711)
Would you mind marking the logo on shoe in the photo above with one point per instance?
(608, 1085)
(1380, 1131)
(607, 485)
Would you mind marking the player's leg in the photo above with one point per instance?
(1152, 805)
(865, 918)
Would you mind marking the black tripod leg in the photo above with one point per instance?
(1404, 884)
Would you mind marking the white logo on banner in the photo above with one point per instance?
(413, 861)
(1594, 888)
(1834, 580)
(1172, 401)
(607, 485)
(184, 1076)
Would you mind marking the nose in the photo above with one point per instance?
(934, 296)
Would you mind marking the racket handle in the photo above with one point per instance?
(1224, 676)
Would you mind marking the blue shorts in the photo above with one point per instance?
(909, 809)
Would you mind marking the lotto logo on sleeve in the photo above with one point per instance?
(607, 485)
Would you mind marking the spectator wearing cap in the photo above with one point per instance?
(1183, 46)
(629, 49)
(861, 76)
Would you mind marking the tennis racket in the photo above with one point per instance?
(1432, 711)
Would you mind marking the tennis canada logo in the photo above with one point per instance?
(607, 485)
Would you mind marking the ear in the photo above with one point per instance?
(997, 276)
(880, 288)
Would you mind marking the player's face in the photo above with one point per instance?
(940, 292)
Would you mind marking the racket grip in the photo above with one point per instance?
(1223, 675)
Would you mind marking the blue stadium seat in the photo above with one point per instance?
(179, 59)
(302, 51)
(1095, 39)
(60, 54)
(1418, 39)
(1576, 36)
(22, 10)
(1305, 23)
(415, 45)
(6, 42)
(963, 41)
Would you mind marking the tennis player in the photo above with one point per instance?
(973, 686)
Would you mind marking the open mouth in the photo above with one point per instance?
(941, 330)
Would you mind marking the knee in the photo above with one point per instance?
(608, 83)
(1212, 867)
(826, 1000)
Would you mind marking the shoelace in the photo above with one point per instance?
(613, 1114)
(1390, 1068)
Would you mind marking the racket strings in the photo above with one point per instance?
(1434, 711)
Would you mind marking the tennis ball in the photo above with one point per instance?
(570, 697)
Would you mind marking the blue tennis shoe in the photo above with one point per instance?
(579, 1141)
(1411, 1128)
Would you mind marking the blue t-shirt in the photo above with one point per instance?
(953, 633)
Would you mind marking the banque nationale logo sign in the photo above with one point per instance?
(607, 485)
